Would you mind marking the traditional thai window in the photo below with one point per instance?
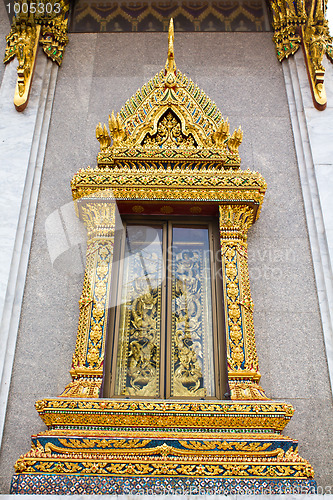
(161, 425)
(166, 335)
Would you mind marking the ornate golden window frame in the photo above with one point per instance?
(169, 172)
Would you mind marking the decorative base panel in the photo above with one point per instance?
(42, 484)
(205, 447)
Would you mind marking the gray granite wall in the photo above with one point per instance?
(240, 73)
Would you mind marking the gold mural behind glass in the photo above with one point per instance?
(192, 371)
(139, 344)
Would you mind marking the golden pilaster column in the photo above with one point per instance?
(243, 369)
(88, 358)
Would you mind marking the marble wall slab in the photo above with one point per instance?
(313, 131)
(22, 147)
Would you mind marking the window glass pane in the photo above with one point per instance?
(192, 355)
(139, 341)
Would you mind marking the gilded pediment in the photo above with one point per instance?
(169, 118)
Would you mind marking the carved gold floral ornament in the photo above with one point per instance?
(295, 24)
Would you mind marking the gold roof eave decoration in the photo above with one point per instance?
(46, 25)
(304, 23)
(169, 119)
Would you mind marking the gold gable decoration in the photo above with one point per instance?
(169, 120)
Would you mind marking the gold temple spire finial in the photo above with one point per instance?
(170, 65)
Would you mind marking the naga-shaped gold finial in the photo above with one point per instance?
(170, 65)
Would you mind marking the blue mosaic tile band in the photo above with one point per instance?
(43, 484)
